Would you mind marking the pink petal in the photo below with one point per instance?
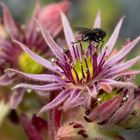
(122, 113)
(32, 24)
(120, 84)
(58, 52)
(48, 87)
(122, 53)
(105, 110)
(8, 21)
(47, 64)
(68, 35)
(16, 97)
(92, 92)
(5, 80)
(34, 77)
(112, 40)
(56, 101)
(106, 87)
(133, 72)
(122, 67)
(71, 105)
(97, 23)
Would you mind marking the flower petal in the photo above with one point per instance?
(8, 21)
(47, 64)
(75, 100)
(35, 77)
(131, 72)
(119, 83)
(112, 40)
(97, 23)
(58, 52)
(105, 110)
(56, 101)
(48, 87)
(122, 53)
(16, 97)
(73, 95)
(5, 80)
(31, 33)
(92, 90)
(122, 67)
(122, 113)
(68, 35)
(106, 87)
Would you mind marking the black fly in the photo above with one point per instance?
(89, 35)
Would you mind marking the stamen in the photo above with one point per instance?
(69, 74)
(77, 77)
(77, 50)
(82, 51)
(87, 70)
(102, 60)
(94, 64)
(83, 74)
(74, 51)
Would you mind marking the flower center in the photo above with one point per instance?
(82, 70)
(28, 65)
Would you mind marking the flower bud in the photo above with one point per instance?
(51, 13)
(72, 131)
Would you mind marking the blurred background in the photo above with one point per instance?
(82, 14)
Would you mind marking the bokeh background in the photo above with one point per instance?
(82, 14)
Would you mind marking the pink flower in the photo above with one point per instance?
(79, 75)
(11, 55)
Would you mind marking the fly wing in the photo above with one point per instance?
(82, 30)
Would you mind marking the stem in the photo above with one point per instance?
(54, 118)
(51, 126)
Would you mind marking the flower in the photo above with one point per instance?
(80, 74)
(11, 56)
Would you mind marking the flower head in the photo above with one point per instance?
(11, 56)
(79, 74)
